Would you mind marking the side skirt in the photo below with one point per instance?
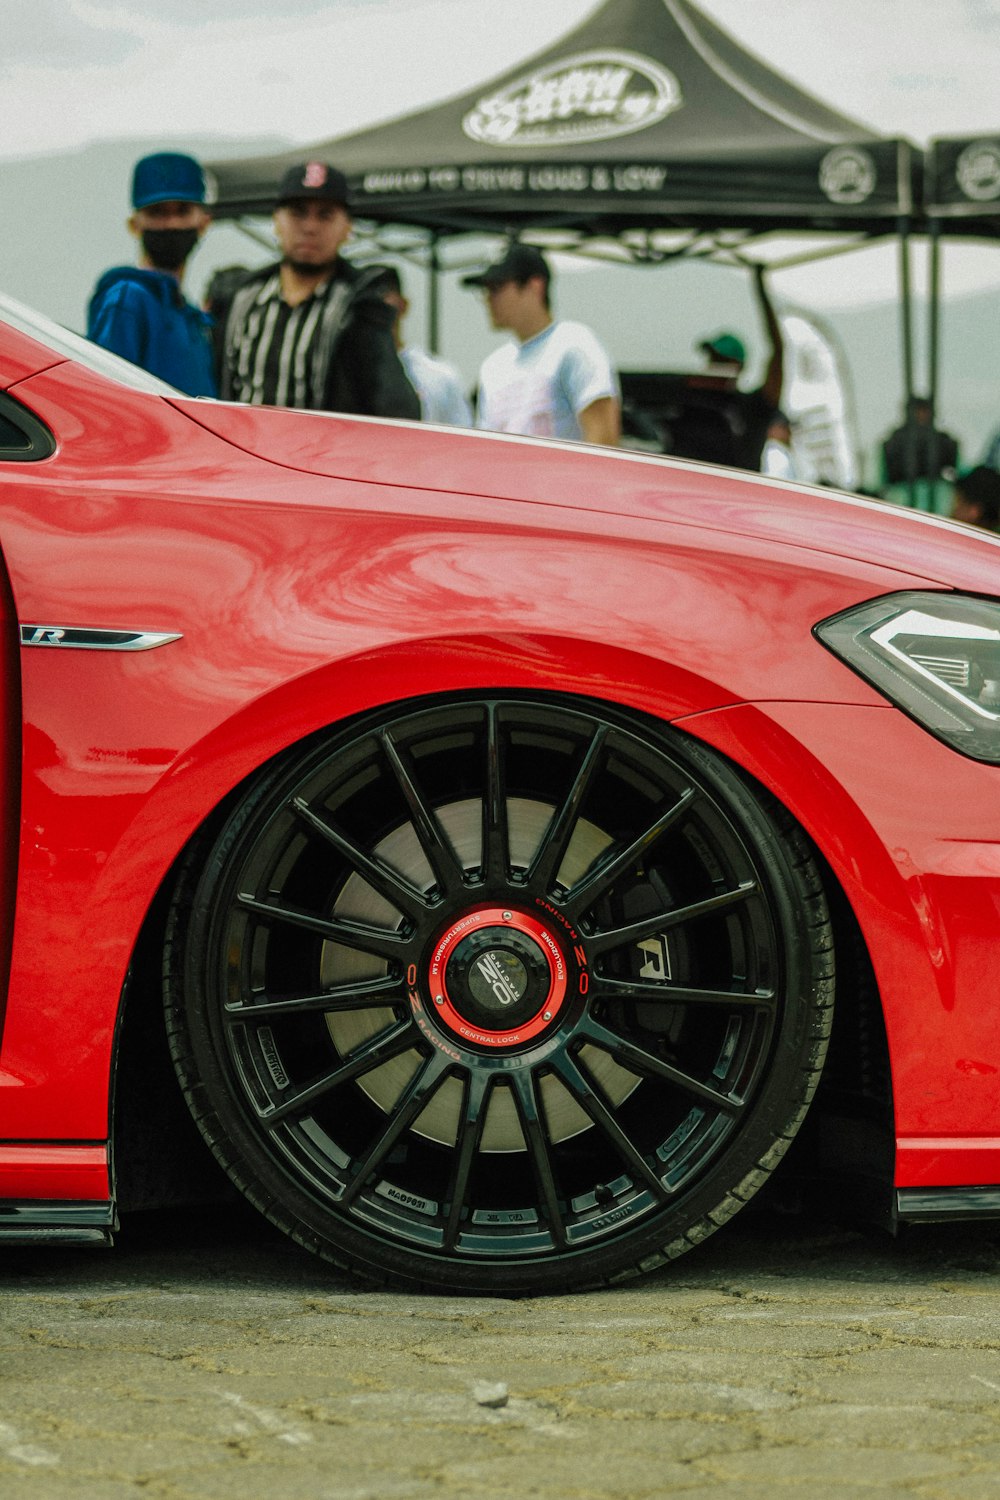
(39, 1222)
(947, 1204)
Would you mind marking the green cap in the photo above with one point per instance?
(725, 346)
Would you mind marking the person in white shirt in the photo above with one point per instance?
(557, 380)
(777, 459)
(438, 385)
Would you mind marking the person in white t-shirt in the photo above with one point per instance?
(557, 380)
(777, 459)
(438, 385)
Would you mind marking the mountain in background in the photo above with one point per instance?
(65, 215)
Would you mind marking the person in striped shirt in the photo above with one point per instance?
(313, 330)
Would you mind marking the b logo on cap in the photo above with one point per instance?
(314, 175)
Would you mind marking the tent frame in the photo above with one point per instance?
(715, 246)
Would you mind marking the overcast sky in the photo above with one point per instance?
(72, 71)
(77, 71)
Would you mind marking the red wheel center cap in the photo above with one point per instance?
(497, 977)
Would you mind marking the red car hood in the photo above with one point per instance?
(616, 482)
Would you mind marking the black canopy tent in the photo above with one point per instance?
(962, 185)
(961, 200)
(648, 114)
(647, 125)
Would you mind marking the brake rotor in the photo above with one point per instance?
(357, 901)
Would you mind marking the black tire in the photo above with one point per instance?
(500, 995)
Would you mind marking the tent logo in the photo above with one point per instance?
(978, 171)
(847, 175)
(588, 97)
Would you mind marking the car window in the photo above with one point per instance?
(23, 438)
(69, 345)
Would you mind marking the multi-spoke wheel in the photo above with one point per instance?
(502, 994)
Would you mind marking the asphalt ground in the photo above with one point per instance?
(207, 1357)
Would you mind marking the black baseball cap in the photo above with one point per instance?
(314, 179)
(519, 263)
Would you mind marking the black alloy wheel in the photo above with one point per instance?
(501, 994)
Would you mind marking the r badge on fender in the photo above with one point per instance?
(87, 639)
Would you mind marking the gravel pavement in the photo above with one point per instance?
(206, 1357)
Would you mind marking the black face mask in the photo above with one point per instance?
(168, 249)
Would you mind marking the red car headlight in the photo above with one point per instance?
(935, 656)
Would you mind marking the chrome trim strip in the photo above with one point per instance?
(88, 639)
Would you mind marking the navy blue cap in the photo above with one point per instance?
(167, 177)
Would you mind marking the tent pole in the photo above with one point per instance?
(906, 331)
(434, 297)
(933, 346)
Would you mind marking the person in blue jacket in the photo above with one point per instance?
(140, 312)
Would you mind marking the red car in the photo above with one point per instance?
(493, 845)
